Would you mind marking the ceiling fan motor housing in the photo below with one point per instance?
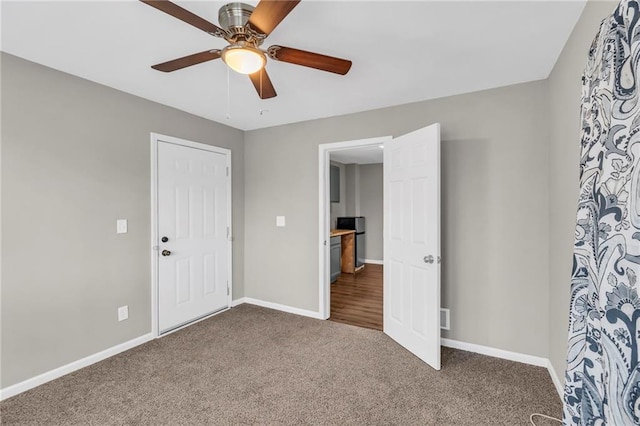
(234, 16)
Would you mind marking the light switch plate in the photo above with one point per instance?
(280, 221)
(121, 226)
(123, 312)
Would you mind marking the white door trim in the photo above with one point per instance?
(324, 290)
(155, 138)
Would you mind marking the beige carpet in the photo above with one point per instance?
(252, 365)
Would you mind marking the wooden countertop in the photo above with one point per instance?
(339, 232)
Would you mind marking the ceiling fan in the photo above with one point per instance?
(245, 28)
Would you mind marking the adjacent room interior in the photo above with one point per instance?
(356, 225)
(102, 321)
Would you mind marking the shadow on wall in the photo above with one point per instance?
(464, 172)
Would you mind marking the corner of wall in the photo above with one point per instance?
(563, 91)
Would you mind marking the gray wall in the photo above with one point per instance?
(337, 210)
(76, 157)
(494, 204)
(564, 147)
(370, 191)
(352, 189)
(361, 195)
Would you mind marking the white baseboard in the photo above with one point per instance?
(237, 302)
(511, 356)
(497, 353)
(43, 378)
(374, 262)
(277, 306)
(556, 380)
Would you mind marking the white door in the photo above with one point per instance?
(412, 242)
(193, 229)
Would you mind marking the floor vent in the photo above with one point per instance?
(444, 319)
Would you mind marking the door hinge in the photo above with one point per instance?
(227, 232)
(227, 171)
(227, 288)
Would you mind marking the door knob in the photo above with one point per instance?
(166, 253)
(428, 259)
(164, 239)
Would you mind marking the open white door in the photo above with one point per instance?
(412, 242)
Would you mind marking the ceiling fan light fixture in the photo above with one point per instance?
(243, 59)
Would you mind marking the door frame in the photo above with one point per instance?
(155, 138)
(324, 273)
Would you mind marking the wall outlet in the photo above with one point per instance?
(445, 318)
(280, 221)
(123, 313)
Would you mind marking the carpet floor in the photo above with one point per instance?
(252, 365)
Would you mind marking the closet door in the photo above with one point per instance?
(193, 228)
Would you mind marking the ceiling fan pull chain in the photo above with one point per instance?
(228, 96)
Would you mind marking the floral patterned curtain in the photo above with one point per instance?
(602, 382)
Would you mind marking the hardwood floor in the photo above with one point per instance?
(356, 299)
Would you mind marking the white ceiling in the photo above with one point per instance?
(401, 51)
(360, 155)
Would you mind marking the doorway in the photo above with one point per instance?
(411, 238)
(191, 228)
(353, 295)
(356, 223)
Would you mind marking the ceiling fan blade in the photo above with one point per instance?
(186, 16)
(309, 59)
(269, 13)
(187, 61)
(263, 85)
